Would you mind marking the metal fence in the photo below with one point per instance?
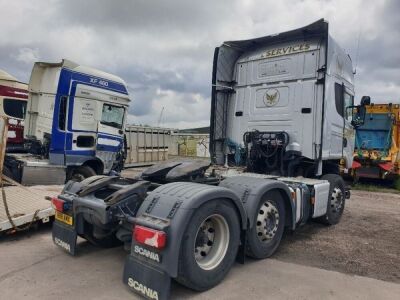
(186, 144)
(152, 144)
(147, 144)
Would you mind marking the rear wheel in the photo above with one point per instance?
(269, 222)
(210, 245)
(80, 173)
(336, 201)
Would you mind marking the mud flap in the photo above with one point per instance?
(64, 237)
(146, 280)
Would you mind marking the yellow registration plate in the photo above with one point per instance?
(64, 218)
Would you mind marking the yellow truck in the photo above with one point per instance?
(377, 144)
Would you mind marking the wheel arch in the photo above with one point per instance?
(96, 164)
(177, 202)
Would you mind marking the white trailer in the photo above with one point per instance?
(146, 145)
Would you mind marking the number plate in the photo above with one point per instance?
(64, 218)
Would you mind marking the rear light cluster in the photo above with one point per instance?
(355, 165)
(387, 166)
(150, 237)
(59, 205)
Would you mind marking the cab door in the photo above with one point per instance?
(58, 144)
(110, 134)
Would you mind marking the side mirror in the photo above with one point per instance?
(357, 113)
(365, 100)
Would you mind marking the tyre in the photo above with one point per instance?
(336, 201)
(80, 173)
(396, 183)
(269, 223)
(354, 176)
(209, 246)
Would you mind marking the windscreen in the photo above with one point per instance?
(14, 108)
(112, 115)
(376, 133)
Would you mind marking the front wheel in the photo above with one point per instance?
(210, 245)
(336, 200)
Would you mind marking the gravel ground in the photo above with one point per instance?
(366, 242)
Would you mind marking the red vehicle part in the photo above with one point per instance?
(14, 101)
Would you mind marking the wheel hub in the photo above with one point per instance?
(267, 221)
(211, 243)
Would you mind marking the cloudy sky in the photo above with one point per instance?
(164, 49)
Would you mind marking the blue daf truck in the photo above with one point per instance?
(74, 126)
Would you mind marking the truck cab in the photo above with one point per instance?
(74, 123)
(13, 102)
(279, 103)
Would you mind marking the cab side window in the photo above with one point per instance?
(343, 100)
(62, 113)
(348, 101)
(339, 99)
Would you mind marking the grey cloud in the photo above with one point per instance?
(152, 15)
(181, 81)
(164, 49)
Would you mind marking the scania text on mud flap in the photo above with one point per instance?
(275, 167)
(142, 289)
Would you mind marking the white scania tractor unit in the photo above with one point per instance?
(74, 126)
(279, 104)
(282, 106)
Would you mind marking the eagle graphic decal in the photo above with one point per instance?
(271, 97)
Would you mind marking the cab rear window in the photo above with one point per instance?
(14, 108)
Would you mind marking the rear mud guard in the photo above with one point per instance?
(145, 280)
(64, 237)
